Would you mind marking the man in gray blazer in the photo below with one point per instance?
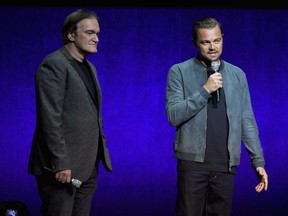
(69, 142)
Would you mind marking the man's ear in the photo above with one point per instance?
(70, 36)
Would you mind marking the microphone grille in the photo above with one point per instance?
(77, 183)
(215, 65)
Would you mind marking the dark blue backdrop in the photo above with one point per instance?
(137, 47)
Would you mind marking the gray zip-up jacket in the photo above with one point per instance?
(186, 109)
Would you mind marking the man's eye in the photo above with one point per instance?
(218, 41)
(204, 42)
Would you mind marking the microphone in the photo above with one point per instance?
(215, 67)
(75, 182)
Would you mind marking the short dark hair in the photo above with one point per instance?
(207, 23)
(71, 21)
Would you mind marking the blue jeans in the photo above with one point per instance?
(204, 193)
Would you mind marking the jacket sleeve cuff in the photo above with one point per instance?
(204, 93)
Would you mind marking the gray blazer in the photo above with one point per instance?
(69, 132)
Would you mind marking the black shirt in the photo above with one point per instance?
(88, 78)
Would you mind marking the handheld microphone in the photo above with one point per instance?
(215, 67)
(75, 182)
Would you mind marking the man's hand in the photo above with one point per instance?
(214, 82)
(63, 176)
(263, 179)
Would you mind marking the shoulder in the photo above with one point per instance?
(233, 72)
(53, 56)
(182, 66)
(231, 67)
(60, 56)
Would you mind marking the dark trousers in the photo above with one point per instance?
(65, 199)
(204, 193)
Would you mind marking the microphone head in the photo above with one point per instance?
(215, 65)
(77, 183)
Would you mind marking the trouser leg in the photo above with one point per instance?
(57, 198)
(84, 196)
(60, 199)
(204, 193)
(191, 190)
(220, 194)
